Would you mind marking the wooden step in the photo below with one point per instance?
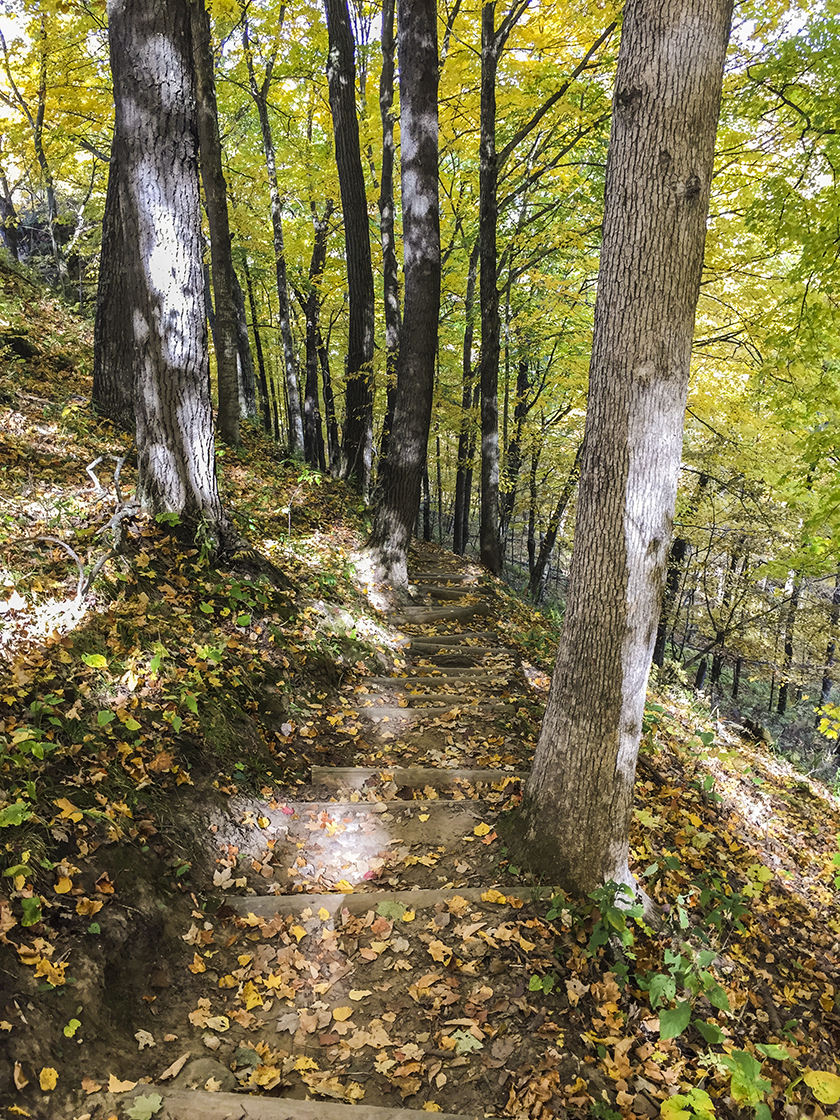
(196, 1104)
(413, 777)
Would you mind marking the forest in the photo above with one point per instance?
(324, 334)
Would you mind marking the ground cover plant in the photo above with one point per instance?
(176, 738)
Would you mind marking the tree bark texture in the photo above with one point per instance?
(265, 401)
(313, 432)
(225, 335)
(113, 344)
(402, 472)
(156, 168)
(578, 799)
(390, 271)
(460, 530)
(488, 215)
(357, 437)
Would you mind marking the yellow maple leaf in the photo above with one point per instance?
(323, 913)
(409, 916)
(298, 932)
(54, 974)
(343, 885)
(440, 952)
(251, 996)
(481, 829)
(197, 965)
(305, 1063)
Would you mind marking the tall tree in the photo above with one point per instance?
(402, 471)
(578, 799)
(259, 92)
(157, 192)
(357, 437)
(226, 333)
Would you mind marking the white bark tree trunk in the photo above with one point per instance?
(578, 800)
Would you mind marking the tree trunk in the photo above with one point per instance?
(513, 451)
(357, 445)
(265, 401)
(488, 215)
(113, 344)
(156, 167)
(333, 446)
(537, 576)
(246, 381)
(8, 218)
(390, 272)
(577, 805)
(465, 430)
(790, 626)
(830, 649)
(396, 510)
(225, 335)
(676, 557)
(260, 95)
(313, 435)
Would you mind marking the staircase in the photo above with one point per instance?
(372, 952)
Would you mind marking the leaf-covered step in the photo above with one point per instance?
(414, 777)
(356, 846)
(186, 1104)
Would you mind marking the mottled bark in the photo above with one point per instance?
(390, 272)
(225, 335)
(578, 800)
(357, 437)
(245, 377)
(488, 217)
(404, 467)
(313, 434)
(466, 429)
(676, 558)
(113, 343)
(156, 169)
(402, 472)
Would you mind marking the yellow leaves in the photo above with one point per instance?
(494, 896)
(218, 1023)
(117, 1086)
(341, 1014)
(481, 829)
(48, 1079)
(824, 1086)
(53, 974)
(324, 914)
(251, 997)
(64, 885)
(357, 994)
(197, 965)
(68, 810)
(87, 907)
(298, 932)
(343, 886)
(302, 1064)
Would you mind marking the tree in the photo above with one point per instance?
(357, 441)
(402, 471)
(226, 333)
(159, 302)
(578, 799)
(259, 92)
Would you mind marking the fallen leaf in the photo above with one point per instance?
(197, 965)
(342, 1013)
(145, 1039)
(358, 993)
(117, 1086)
(481, 829)
(48, 1079)
(176, 1067)
(87, 907)
(21, 1080)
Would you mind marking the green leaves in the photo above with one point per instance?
(15, 814)
(95, 660)
(674, 1021)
